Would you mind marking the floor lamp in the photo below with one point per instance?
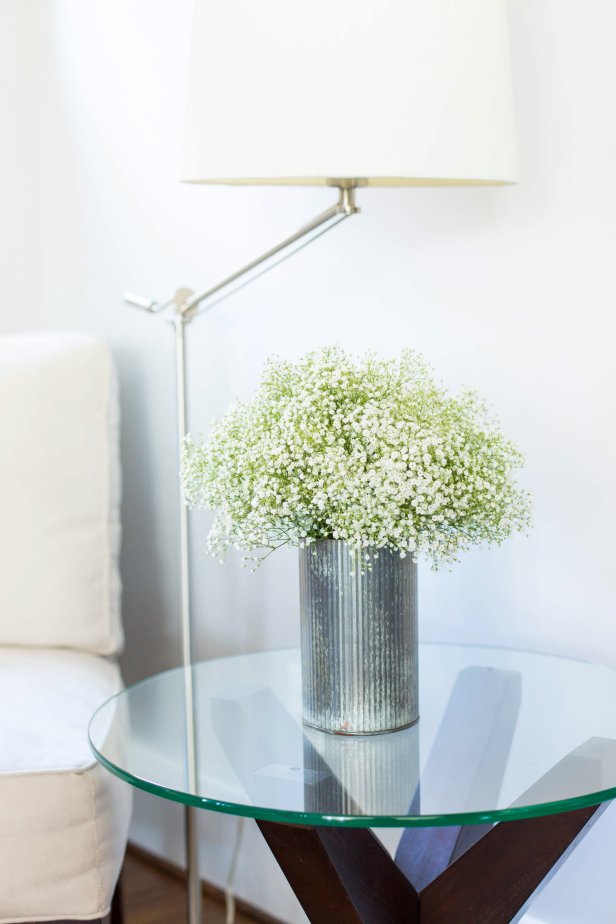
(347, 94)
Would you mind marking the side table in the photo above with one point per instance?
(513, 758)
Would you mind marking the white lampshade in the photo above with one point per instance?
(387, 92)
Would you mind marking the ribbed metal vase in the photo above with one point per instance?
(359, 640)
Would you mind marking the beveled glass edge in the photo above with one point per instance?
(284, 816)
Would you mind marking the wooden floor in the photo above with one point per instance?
(154, 896)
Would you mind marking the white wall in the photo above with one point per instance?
(19, 270)
(508, 290)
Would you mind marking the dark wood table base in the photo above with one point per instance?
(472, 874)
(469, 875)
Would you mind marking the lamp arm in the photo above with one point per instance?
(188, 305)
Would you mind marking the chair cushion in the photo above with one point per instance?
(64, 819)
(59, 493)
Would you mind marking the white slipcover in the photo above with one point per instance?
(59, 493)
(63, 818)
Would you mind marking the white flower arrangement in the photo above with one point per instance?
(368, 450)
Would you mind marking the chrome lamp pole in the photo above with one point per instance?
(183, 308)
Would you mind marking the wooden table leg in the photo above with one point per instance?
(342, 875)
(491, 881)
(345, 875)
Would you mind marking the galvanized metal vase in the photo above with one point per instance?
(359, 640)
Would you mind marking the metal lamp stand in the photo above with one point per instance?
(182, 309)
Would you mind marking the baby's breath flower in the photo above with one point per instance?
(373, 451)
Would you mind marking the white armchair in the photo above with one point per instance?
(63, 819)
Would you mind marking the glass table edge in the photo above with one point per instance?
(283, 816)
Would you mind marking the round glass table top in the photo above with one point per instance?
(502, 734)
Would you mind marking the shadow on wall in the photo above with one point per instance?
(150, 574)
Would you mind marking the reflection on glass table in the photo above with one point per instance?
(503, 736)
